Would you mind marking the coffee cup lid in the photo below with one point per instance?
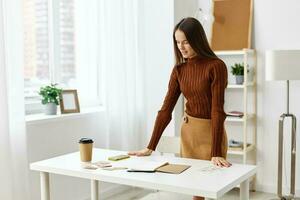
(85, 141)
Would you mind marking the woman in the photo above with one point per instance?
(202, 78)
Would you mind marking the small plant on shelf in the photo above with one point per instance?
(50, 98)
(238, 71)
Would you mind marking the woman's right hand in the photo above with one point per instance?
(143, 152)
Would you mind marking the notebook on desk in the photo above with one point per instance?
(147, 166)
(154, 166)
(173, 168)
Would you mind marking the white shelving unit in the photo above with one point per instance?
(248, 57)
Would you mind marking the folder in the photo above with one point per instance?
(173, 168)
(147, 166)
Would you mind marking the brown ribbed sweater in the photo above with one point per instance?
(202, 82)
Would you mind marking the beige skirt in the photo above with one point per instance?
(196, 138)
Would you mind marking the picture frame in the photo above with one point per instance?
(69, 102)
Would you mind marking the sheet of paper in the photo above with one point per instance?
(150, 166)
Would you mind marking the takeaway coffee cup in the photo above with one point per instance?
(86, 149)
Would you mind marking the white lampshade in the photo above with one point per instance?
(283, 65)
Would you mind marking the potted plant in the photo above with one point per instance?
(238, 71)
(50, 98)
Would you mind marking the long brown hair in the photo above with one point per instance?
(196, 37)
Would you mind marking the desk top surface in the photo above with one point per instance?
(202, 178)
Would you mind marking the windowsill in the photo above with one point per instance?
(42, 118)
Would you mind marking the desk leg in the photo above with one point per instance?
(244, 190)
(94, 190)
(45, 188)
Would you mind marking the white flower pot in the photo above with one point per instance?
(239, 79)
(50, 109)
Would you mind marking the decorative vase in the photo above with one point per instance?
(50, 109)
(239, 79)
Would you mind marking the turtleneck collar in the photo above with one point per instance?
(193, 59)
(196, 59)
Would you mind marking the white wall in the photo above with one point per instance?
(60, 136)
(156, 40)
(157, 23)
(275, 27)
(184, 9)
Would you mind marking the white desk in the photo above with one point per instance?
(193, 181)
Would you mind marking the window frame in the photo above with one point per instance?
(35, 106)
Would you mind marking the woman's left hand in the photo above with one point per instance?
(220, 161)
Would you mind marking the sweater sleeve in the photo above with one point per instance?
(164, 115)
(218, 85)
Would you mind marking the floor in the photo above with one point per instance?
(141, 194)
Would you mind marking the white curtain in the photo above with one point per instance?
(5, 171)
(120, 59)
(13, 151)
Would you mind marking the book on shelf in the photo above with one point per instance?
(237, 148)
(235, 114)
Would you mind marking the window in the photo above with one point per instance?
(51, 43)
